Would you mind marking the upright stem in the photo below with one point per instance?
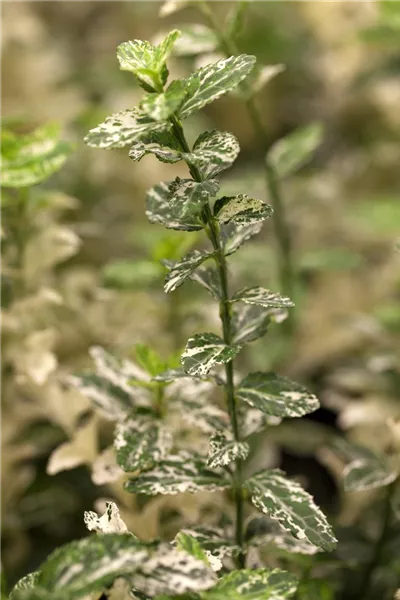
(213, 232)
(281, 228)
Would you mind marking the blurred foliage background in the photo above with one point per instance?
(90, 269)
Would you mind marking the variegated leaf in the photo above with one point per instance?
(213, 152)
(140, 442)
(24, 585)
(182, 269)
(171, 375)
(213, 541)
(203, 351)
(110, 522)
(224, 449)
(203, 414)
(286, 501)
(241, 210)
(234, 236)
(249, 322)
(190, 544)
(214, 80)
(252, 420)
(254, 584)
(207, 277)
(173, 215)
(122, 129)
(185, 472)
(263, 531)
(262, 297)
(290, 153)
(195, 39)
(161, 106)
(276, 395)
(192, 192)
(160, 143)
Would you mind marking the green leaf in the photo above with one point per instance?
(131, 274)
(110, 522)
(181, 270)
(203, 351)
(257, 584)
(224, 450)
(173, 215)
(123, 129)
(234, 236)
(140, 442)
(185, 472)
(31, 159)
(149, 359)
(249, 322)
(285, 500)
(212, 81)
(290, 153)
(161, 106)
(315, 589)
(262, 297)
(160, 143)
(213, 152)
(241, 210)
(276, 395)
(208, 278)
(189, 544)
(195, 39)
(29, 582)
(366, 470)
(213, 541)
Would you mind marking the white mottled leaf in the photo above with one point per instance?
(203, 351)
(241, 210)
(290, 153)
(122, 129)
(249, 322)
(110, 522)
(286, 501)
(252, 420)
(263, 531)
(28, 582)
(141, 441)
(190, 544)
(234, 236)
(185, 472)
(160, 143)
(224, 449)
(214, 80)
(195, 39)
(207, 277)
(213, 152)
(262, 297)
(213, 541)
(161, 106)
(173, 215)
(182, 269)
(105, 468)
(201, 413)
(276, 395)
(254, 584)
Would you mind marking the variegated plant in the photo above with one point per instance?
(145, 446)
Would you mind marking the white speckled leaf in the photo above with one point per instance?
(265, 531)
(214, 80)
(195, 39)
(262, 297)
(122, 129)
(161, 106)
(203, 351)
(290, 153)
(286, 501)
(213, 152)
(182, 269)
(160, 143)
(110, 522)
(224, 449)
(201, 413)
(207, 277)
(241, 210)
(141, 441)
(276, 395)
(29, 582)
(162, 209)
(234, 236)
(252, 420)
(213, 541)
(254, 584)
(249, 322)
(185, 472)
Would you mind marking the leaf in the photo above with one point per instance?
(195, 39)
(241, 210)
(207, 277)
(262, 531)
(285, 500)
(315, 589)
(257, 584)
(189, 544)
(249, 322)
(263, 76)
(171, 6)
(122, 129)
(276, 395)
(252, 420)
(213, 152)
(213, 541)
(79, 450)
(203, 351)
(160, 143)
(234, 236)
(290, 153)
(131, 274)
(110, 522)
(366, 470)
(173, 215)
(212, 81)
(140, 442)
(204, 415)
(31, 159)
(181, 270)
(28, 582)
(223, 450)
(161, 106)
(149, 360)
(262, 297)
(185, 472)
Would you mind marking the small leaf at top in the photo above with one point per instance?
(214, 80)
(241, 210)
(290, 153)
(285, 500)
(254, 584)
(276, 395)
(214, 152)
(224, 449)
(110, 522)
(149, 359)
(181, 270)
(234, 236)
(203, 351)
(262, 297)
(161, 106)
(162, 209)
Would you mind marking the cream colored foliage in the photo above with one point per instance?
(81, 449)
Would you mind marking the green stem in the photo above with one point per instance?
(281, 228)
(213, 232)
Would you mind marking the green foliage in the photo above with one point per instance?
(293, 151)
(205, 350)
(259, 584)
